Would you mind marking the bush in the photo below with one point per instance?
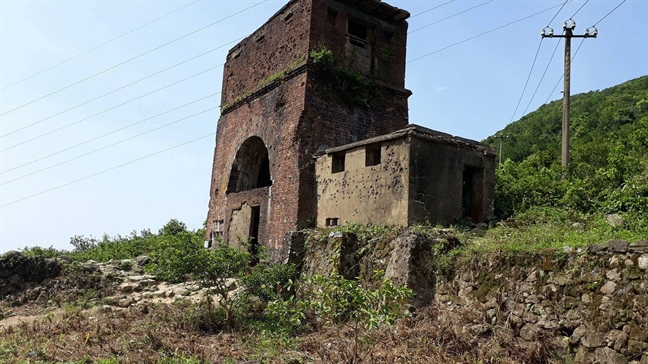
(335, 300)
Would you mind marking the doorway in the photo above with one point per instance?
(255, 217)
(472, 194)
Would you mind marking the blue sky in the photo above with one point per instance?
(470, 90)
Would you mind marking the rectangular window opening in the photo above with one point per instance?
(357, 30)
(332, 221)
(337, 164)
(331, 16)
(372, 155)
(288, 17)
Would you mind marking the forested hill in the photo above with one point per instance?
(608, 170)
(596, 116)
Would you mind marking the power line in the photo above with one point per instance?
(611, 11)
(121, 88)
(108, 146)
(563, 75)
(106, 134)
(541, 78)
(527, 80)
(138, 56)
(558, 12)
(430, 9)
(111, 108)
(526, 84)
(107, 170)
(451, 16)
(482, 34)
(100, 45)
(579, 9)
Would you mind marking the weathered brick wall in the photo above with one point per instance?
(273, 117)
(388, 39)
(275, 47)
(272, 91)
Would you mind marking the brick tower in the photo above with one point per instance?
(283, 101)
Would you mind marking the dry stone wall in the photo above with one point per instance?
(584, 305)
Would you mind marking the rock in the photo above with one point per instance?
(4, 273)
(16, 280)
(640, 247)
(142, 260)
(90, 266)
(618, 339)
(595, 248)
(583, 356)
(529, 332)
(593, 339)
(64, 259)
(408, 266)
(613, 275)
(13, 254)
(642, 262)
(615, 220)
(578, 226)
(618, 246)
(636, 347)
(644, 359)
(608, 288)
(609, 356)
(124, 303)
(478, 232)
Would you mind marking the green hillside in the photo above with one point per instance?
(609, 165)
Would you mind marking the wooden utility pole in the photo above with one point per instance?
(568, 27)
(500, 147)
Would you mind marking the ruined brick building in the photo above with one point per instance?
(321, 83)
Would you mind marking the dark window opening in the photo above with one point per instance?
(288, 17)
(337, 164)
(332, 221)
(357, 43)
(260, 39)
(357, 30)
(264, 174)
(472, 193)
(255, 217)
(372, 155)
(251, 167)
(331, 16)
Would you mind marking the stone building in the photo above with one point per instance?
(406, 177)
(318, 74)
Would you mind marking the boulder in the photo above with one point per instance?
(609, 356)
(642, 262)
(410, 265)
(640, 247)
(595, 248)
(618, 246)
(615, 220)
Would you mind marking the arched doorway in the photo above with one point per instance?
(251, 167)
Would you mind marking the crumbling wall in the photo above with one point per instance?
(19, 272)
(582, 305)
(279, 45)
(436, 181)
(588, 305)
(364, 194)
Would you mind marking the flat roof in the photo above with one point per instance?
(418, 132)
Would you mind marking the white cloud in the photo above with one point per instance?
(441, 88)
